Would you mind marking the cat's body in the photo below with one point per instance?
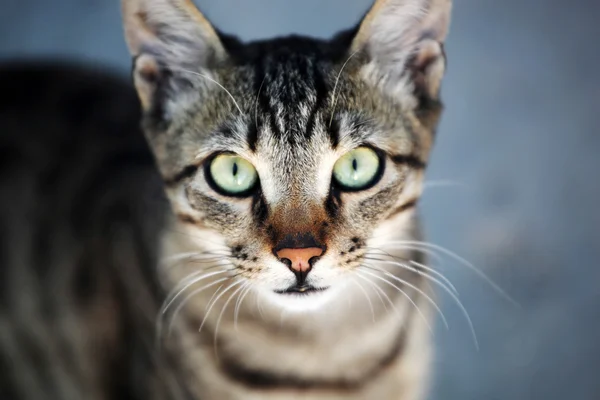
(290, 262)
(81, 217)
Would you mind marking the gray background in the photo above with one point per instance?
(514, 177)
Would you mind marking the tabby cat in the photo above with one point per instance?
(287, 263)
(293, 167)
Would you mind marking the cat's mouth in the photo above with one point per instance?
(301, 290)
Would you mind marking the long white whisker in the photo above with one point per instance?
(180, 256)
(453, 294)
(367, 297)
(191, 258)
(215, 302)
(187, 283)
(258, 301)
(256, 102)
(379, 292)
(238, 305)
(462, 309)
(212, 80)
(185, 300)
(429, 253)
(405, 295)
(417, 271)
(437, 273)
(209, 302)
(421, 292)
(335, 87)
(466, 263)
(216, 334)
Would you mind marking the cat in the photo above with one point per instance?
(262, 242)
(293, 167)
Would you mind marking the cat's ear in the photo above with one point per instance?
(170, 41)
(403, 41)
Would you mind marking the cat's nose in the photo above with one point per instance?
(300, 260)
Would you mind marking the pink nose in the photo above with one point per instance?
(299, 258)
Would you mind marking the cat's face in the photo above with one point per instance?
(292, 157)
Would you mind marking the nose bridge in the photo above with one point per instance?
(297, 217)
(298, 224)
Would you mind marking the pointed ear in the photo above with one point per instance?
(403, 41)
(170, 40)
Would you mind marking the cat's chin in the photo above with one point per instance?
(302, 299)
(305, 290)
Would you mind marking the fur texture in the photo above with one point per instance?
(110, 289)
(292, 107)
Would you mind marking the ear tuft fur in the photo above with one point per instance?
(167, 39)
(403, 41)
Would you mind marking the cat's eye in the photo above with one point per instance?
(232, 174)
(358, 169)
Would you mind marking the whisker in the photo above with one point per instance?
(379, 292)
(367, 297)
(216, 300)
(464, 262)
(437, 273)
(462, 309)
(185, 285)
(391, 303)
(336, 95)
(187, 258)
(218, 246)
(421, 292)
(427, 252)
(209, 302)
(216, 334)
(258, 301)
(454, 296)
(405, 295)
(212, 80)
(238, 305)
(185, 300)
(256, 102)
(417, 271)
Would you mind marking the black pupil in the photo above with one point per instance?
(354, 164)
(235, 169)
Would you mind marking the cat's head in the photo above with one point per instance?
(295, 155)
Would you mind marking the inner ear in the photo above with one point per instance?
(173, 46)
(403, 41)
(146, 77)
(427, 68)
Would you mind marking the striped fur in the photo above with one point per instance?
(291, 107)
(97, 263)
(82, 211)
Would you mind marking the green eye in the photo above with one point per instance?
(357, 169)
(232, 174)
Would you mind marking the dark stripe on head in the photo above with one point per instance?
(322, 94)
(264, 103)
(333, 130)
(183, 174)
(403, 207)
(333, 203)
(252, 136)
(260, 209)
(410, 160)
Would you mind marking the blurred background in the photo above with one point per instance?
(513, 185)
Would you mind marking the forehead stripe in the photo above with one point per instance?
(185, 173)
(410, 160)
(322, 93)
